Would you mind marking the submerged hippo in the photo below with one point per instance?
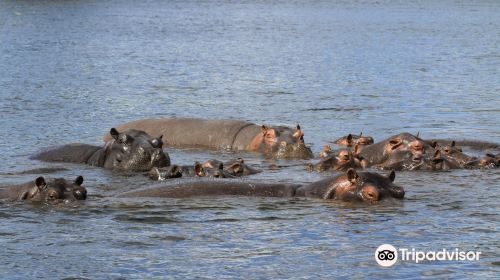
(350, 186)
(396, 148)
(402, 160)
(351, 140)
(131, 150)
(341, 161)
(236, 167)
(454, 154)
(196, 170)
(46, 190)
(486, 162)
(276, 142)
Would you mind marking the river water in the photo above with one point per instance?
(70, 70)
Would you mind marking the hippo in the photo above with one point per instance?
(338, 162)
(131, 150)
(277, 142)
(396, 148)
(402, 160)
(354, 186)
(236, 167)
(196, 170)
(454, 154)
(351, 140)
(49, 190)
(486, 162)
(470, 144)
(350, 186)
(489, 161)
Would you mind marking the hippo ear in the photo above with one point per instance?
(221, 166)
(437, 154)
(298, 126)
(349, 139)
(392, 176)
(352, 175)
(40, 183)
(418, 134)
(356, 150)
(452, 143)
(264, 129)
(114, 133)
(360, 134)
(434, 144)
(240, 160)
(198, 169)
(79, 181)
(157, 142)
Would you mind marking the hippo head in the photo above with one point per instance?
(134, 150)
(283, 143)
(341, 161)
(216, 171)
(287, 150)
(238, 167)
(489, 161)
(53, 190)
(397, 148)
(486, 162)
(405, 142)
(364, 186)
(351, 140)
(454, 154)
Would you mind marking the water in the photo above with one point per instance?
(70, 70)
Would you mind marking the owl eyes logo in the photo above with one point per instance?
(386, 255)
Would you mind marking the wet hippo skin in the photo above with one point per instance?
(224, 134)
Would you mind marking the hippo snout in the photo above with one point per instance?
(417, 158)
(396, 191)
(159, 158)
(80, 193)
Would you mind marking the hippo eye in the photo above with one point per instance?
(53, 196)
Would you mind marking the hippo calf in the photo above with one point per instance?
(46, 190)
(277, 142)
(131, 150)
(350, 186)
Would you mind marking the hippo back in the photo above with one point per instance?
(191, 132)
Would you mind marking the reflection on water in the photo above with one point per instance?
(72, 69)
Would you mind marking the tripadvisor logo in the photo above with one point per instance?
(386, 255)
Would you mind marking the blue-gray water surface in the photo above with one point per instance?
(70, 70)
